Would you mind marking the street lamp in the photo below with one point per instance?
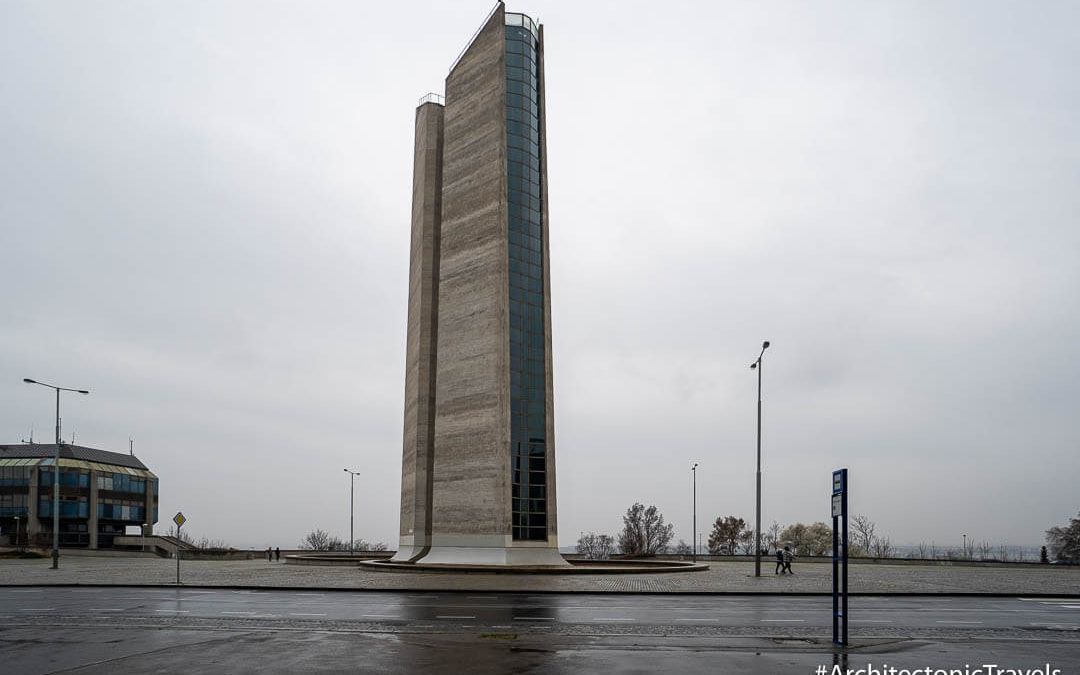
(693, 540)
(756, 365)
(352, 491)
(56, 471)
(965, 545)
(17, 519)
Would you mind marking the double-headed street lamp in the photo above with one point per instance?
(56, 471)
(757, 510)
(352, 491)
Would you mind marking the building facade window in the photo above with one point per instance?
(122, 482)
(70, 507)
(14, 475)
(122, 510)
(14, 504)
(68, 477)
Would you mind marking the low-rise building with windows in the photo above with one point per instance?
(102, 493)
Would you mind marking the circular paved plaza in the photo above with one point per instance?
(721, 577)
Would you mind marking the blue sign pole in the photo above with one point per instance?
(840, 556)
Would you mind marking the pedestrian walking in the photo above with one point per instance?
(779, 561)
(788, 556)
(269, 554)
(277, 554)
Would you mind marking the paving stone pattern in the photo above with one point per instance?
(722, 577)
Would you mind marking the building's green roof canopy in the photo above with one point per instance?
(78, 456)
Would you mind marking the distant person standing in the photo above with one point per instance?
(788, 557)
(269, 554)
(277, 555)
(779, 562)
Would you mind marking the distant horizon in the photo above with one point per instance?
(165, 524)
(1026, 548)
(563, 547)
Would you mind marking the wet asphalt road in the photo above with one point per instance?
(51, 629)
(641, 613)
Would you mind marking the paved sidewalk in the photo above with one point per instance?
(722, 577)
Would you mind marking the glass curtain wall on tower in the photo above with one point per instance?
(525, 251)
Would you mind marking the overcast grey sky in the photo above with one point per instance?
(205, 221)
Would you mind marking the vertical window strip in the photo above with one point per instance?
(528, 394)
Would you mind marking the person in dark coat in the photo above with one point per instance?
(269, 554)
(277, 554)
(779, 562)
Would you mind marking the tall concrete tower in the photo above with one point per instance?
(478, 467)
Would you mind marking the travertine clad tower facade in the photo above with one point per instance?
(478, 467)
(422, 331)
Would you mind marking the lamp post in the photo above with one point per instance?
(756, 365)
(17, 519)
(693, 540)
(56, 471)
(352, 491)
(965, 545)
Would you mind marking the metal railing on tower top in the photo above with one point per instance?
(509, 19)
(468, 44)
(432, 98)
(523, 20)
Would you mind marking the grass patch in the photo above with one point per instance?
(22, 555)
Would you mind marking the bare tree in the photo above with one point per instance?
(684, 549)
(207, 544)
(922, 550)
(746, 541)
(596, 546)
(181, 534)
(364, 545)
(318, 540)
(862, 530)
(771, 538)
(984, 551)
(725, 535)
(882, 547)
(202, 543)
(644, 531)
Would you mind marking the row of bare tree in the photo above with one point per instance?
(645, 533)
(730, 536)
(321, 540)
(203, 543)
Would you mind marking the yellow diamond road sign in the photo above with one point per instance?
(179, 519)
